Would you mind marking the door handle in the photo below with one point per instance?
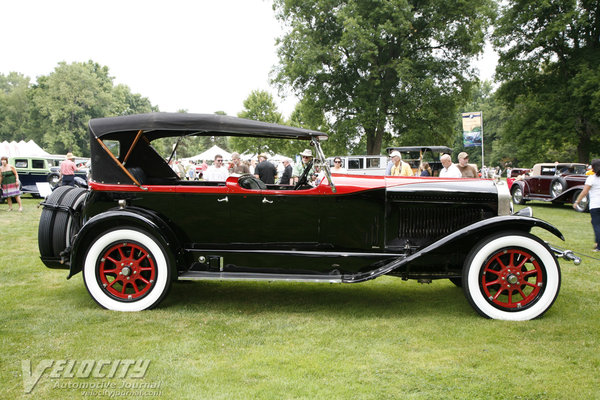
(225, 199)
(264, 200)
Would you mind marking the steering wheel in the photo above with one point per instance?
(303, 180)
(249, 181)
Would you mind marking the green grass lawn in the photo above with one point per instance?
(230, 340)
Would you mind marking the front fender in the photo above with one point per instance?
(524, 186)
(102, 222)
(478, 229)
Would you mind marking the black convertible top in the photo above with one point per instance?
(157, 125)
(136, 161)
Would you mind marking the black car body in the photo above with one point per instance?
(139, 227)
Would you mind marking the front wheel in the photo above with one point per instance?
(127, 270)
(511, 276)
(517, 195)
(557, 186)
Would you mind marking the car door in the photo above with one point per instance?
(290, 218)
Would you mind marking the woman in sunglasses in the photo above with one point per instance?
(337, 166)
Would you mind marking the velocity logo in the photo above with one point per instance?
(71, 369)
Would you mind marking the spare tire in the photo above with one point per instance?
(46, 227)
(67, 221)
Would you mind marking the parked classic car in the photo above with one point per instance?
(138, 227)
(555, 182)
(55, 180)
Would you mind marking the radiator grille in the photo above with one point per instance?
(435, 222)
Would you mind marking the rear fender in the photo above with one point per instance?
(141, 219)
(567, 195)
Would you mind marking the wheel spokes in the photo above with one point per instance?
(127, 271)
(511, 279)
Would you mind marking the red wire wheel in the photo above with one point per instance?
(512, 279)
(127, 271)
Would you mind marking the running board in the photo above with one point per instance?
(247, 276)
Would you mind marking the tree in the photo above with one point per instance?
(550, 67)
(258, 106)
(14, 107)
(383, 67)
(67, 99)
(64, 101)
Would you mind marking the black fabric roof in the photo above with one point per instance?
(157, 125)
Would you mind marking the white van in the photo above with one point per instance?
(362, 165)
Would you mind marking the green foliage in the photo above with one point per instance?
(259, 106)
(393, 68)
(550, 65)
(55, 111)
(14, 107)
(67, 99)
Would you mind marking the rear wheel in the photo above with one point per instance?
(511, 276)
(127, 270)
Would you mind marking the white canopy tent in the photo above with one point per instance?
(210, 154)
(22, 149)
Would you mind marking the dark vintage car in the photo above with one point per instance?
(138, 227)
(55, 179)
(555, 182)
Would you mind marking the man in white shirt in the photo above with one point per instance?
(450, 170)
(216, 172)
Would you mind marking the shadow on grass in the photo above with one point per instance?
(390, 298)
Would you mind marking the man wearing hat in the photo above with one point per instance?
(264, 170)
(67, 170)
(467, 170)
(299, 168)
(399, 167)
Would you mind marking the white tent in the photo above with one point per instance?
(210, 154)
(22, 149)
(279, 158)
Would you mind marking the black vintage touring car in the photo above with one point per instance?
(138, 227)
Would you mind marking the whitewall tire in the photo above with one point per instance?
(511, 276)
(127, 270)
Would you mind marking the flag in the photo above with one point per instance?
(472, 129)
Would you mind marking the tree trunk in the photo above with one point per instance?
(375, 139)
(585, 141)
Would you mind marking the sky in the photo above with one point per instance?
(197, 55)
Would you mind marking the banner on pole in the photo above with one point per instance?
(472, 129)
